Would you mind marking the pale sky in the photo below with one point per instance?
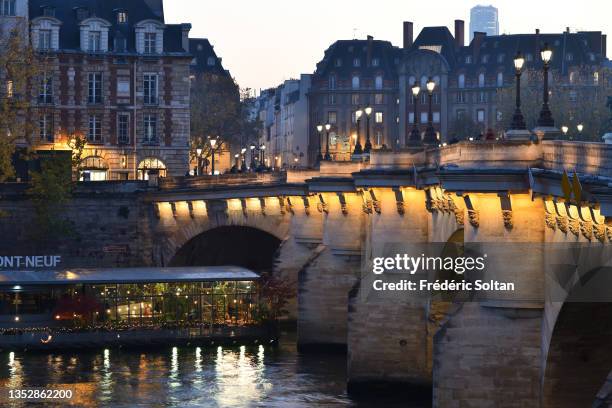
(264, 42)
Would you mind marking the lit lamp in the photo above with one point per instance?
(430, 132)
(320, 153)
(518, 120)
(415, 135)
(358, 148)
(243, 167)
(327, 129)
(546, 119)
(580, 128)
(262, 148)
(368, 144)
(252, 156)
(213, 143)
(564, 129)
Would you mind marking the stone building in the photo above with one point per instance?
(353, 75)
(469, 78)
(116, 74)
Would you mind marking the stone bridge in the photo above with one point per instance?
(323, 229)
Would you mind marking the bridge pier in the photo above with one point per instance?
(488, 352)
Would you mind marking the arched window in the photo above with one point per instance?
(149, 37)
(500, 79)
(378, 82)
(356, 82)
(93, 168)
(151, 164)
(481, 80)
(461, 80)
(411, 80)
(94, 34)
(436, 80)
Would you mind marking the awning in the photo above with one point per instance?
(126, 275)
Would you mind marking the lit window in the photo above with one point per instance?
(150, 43)
(379, 117)
(94, 134)
(595, 78)
(150, 128)
(122, 17)
(150, 89)
(10, 89)
(379, 99)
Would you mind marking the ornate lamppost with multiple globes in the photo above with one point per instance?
(430, 132)
(327, 129)
(358, 148)
(415, 135)
(546, 120)
(368, 144)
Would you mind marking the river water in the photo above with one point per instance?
(251, 376)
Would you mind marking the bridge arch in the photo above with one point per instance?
(244, 246)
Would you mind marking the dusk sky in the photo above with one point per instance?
(264, 42)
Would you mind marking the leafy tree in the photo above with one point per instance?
(583, 103)
(464, 127)
(20, 67)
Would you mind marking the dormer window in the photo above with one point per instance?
(44, 40)
(338, 62)
(45, 33)
(485, 59)
(468, 59)
(7, 7)
(570, 56)
(375, 62)
(150, 43)
(94, 34)
(211, 61)
(149, 37)
(122, 17)
(356, 62)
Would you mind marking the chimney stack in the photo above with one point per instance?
(408, 34)
(477, 43)
(369, 53)
(459, 33)
(604, 45)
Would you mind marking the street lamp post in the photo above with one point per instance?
(252, 157)
(358, 148)
(368, 144)
(518, 121)
(430, 132)
(415, 135)
(546, 119)
(199, 161)
(213, 143)
(320, 153)
(263, 155)
(327, 129)
(243, 168)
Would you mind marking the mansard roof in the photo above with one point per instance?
(569, 50)
(434, 37)
(389, 58)
(69, 12)
(202, 50)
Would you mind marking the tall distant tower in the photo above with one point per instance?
(484, 19)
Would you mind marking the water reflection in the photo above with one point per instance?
(243, 376)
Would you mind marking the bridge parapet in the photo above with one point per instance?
(586, 158)
(198, 182)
